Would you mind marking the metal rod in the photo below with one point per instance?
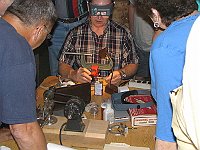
(72, 53)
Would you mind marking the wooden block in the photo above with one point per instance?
(86, 142)
(93, 128)
(77, 141)
(97, 129)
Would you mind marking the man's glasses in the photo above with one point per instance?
(49, 36)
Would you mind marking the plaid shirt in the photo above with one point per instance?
(115, 38)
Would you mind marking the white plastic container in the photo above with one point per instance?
(98, 88)
(108, 113)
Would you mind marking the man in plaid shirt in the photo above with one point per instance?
(97, 33)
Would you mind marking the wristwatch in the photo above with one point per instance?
(123, 75)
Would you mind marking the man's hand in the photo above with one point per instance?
(116, 77)
(82, 75)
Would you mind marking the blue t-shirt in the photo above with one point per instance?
(166, 65)
(17, 77)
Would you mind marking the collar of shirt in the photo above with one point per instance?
(106, 29)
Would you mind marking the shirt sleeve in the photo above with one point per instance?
(129, 55)
(166, 73)
(69, 46)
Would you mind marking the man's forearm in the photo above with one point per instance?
(130, 69)
(29, 136)
(66, 71)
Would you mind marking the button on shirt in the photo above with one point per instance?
(115, 38)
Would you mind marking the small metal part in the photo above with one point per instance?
(44, 114)
(118, 129)
(92, 108)
(71, 53)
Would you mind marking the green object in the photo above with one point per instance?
(101, 66)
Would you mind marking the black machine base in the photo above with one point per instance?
(75, 125)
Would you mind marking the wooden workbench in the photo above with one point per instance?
(141, 136)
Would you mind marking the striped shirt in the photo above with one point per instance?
(115, 38)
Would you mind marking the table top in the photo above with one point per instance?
(140, 136)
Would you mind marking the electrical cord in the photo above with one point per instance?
(60, 133)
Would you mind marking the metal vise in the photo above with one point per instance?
(102, 53)
(105, 67)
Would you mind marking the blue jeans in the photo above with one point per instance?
(58, 37)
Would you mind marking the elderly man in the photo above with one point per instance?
(97, 33)
(4, 4)
(24, 26)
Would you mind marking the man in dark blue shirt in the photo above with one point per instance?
(24, 26)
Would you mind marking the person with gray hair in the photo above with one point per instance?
(24, 26)
(4, 4)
